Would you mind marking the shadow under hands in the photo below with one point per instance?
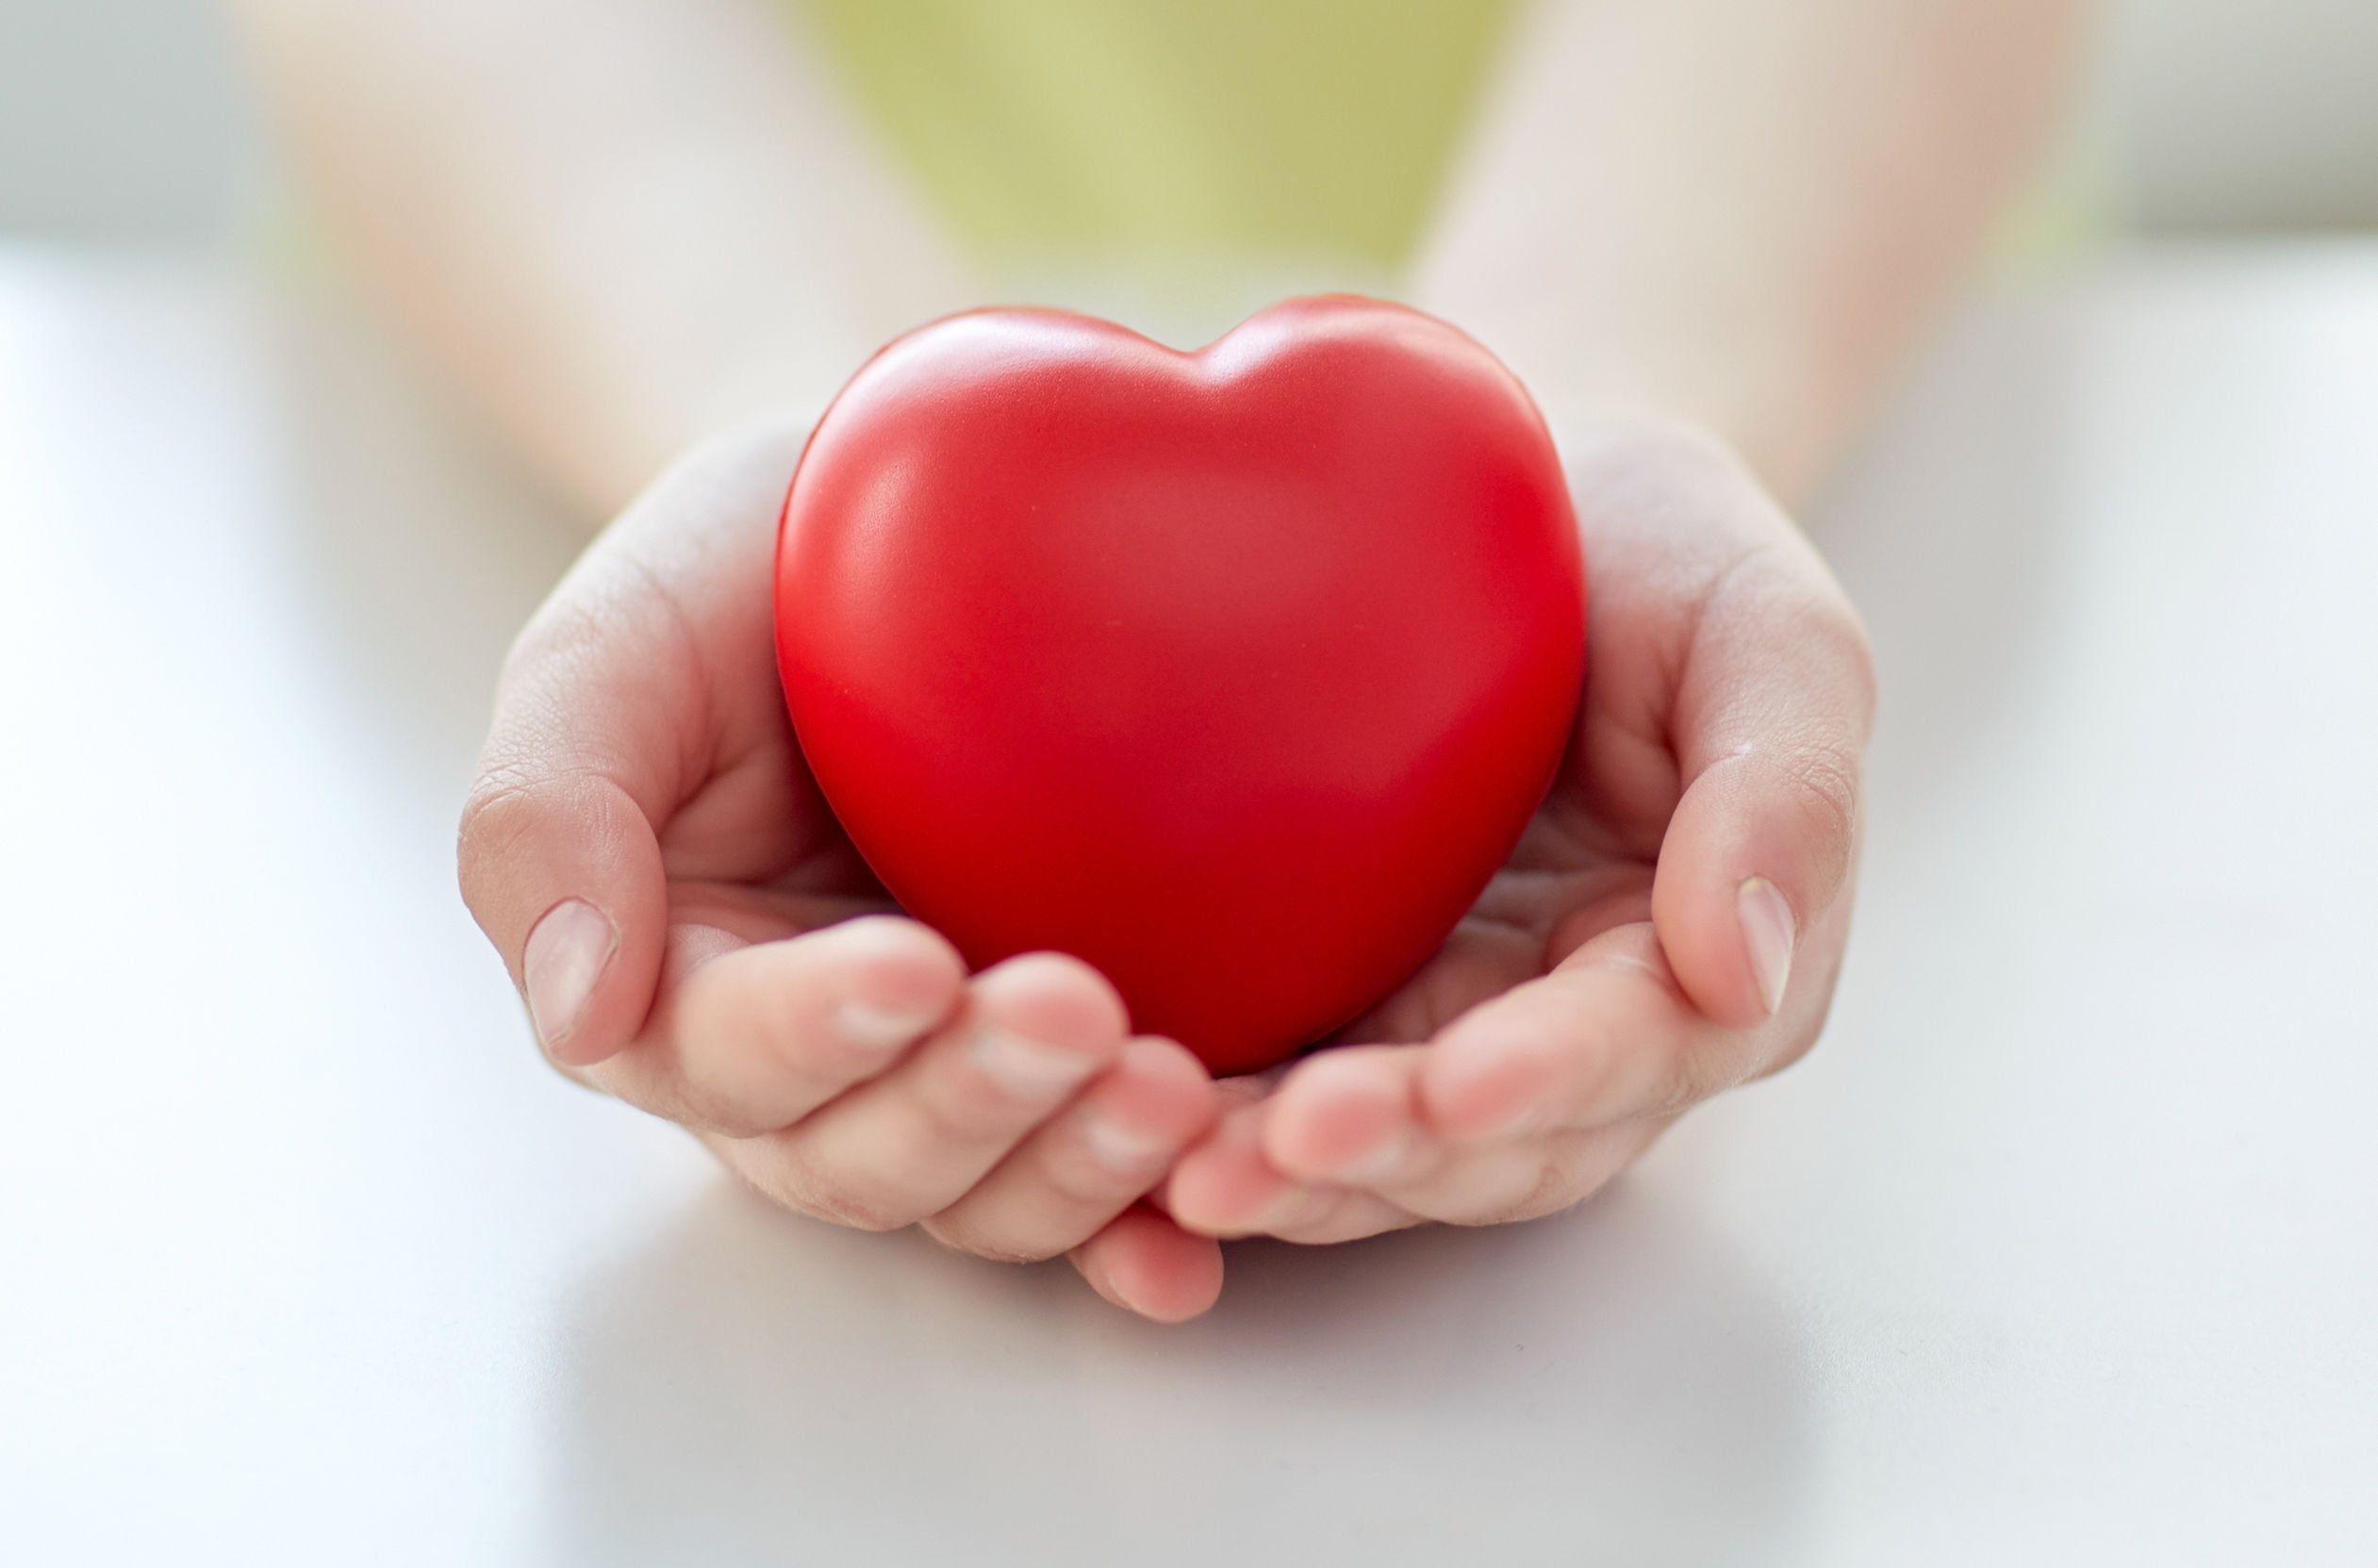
(1605, 1385)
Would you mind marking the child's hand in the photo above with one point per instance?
(1690, 872)
(647, 850)
(645, 847)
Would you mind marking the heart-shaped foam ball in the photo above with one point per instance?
(1236, 674)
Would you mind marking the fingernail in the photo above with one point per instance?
(1027, 1068)
(879, 1028)
(1379, 1165)
(567, 953)
(1767, 931)
(1125, 1150)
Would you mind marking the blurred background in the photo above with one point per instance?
(125, 122)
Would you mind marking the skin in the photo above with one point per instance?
(749, 978)
(1738, 213)
(641, 767)
(1703, 231)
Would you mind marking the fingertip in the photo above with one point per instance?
(1158, 1056)
(1486, 1077)
(1339, 1111)
(1225, 1186)
(1145, 1264)
(1151, 1103)
(898, 933)
(1163, 1087)
(894, 966)
(1761, 845)
(1055, 997)
(564, 876)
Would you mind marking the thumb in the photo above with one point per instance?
(562, 870)
(605, 722)
(558, 857)
(1773, 707)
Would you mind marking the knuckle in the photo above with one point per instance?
(1679, 1072)
(742, 1075)
(837, 1198)
(1555, 1187)
(784, 1178)
(1569, 1168)
(958, 1106)
(1077, 1182)
(641, 1079)
(710, 1110)
(1491, 1187)
(1680, 1078)
(1662, 1072)
(952, 1116)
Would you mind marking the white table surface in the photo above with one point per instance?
(2063, 1247)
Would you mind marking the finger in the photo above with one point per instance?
(1502, 1180)
(1225, 1186)
(1033, 1032)
(1080, 1170)
(1606, 1038)
(1352, 1119)
(758, 1038)
(648, 664)
(1500, 1183)
(1280, 1171)
(1773, 711)
(563, 873)
(1347, 1117)
(1145, 1264)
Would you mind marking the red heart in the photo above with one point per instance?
(1236, 674)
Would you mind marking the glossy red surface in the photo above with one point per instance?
(1236, 674)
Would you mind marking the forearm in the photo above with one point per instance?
(612, 226)
(1740, 211)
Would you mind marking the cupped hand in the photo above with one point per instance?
(1669, 924)
(693, 932)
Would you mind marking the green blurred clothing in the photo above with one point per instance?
(1136, 127)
